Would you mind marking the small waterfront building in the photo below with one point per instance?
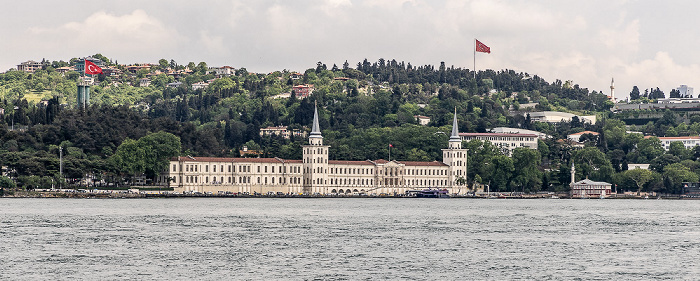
(316, 174)
(587, 188)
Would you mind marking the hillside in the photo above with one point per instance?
(362, 110)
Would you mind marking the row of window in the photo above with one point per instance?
(242, 180)
(296, 169)
(296, 180)
(499, 138)
(241, 168)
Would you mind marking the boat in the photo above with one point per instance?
(432, 193)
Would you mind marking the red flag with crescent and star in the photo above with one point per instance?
(91, 68)
(480, 47)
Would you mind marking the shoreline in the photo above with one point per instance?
(124, 195)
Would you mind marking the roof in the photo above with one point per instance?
(421, 116)
(344, 162)
(420, 163)
(583, 133)
(676, 138)
(275, 128)
(590, 182)
(280, 160)
(495, 135)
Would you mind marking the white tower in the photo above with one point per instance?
(456, 158)
(315, 160)
(612, 90)
(573, 173)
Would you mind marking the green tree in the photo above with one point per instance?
(677, 174)
(527, 176)
(639, 177)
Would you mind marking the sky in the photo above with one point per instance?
(644, 43)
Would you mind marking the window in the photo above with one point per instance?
(213, 167)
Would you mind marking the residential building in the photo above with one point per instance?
(577, 136)
(65, 69)
(144, 82)
(685, 91)
(507, 142)
(637, 166)
(556, 117)
(296, 75)
(506, 130)
(423, 120)
(29, 66)
(315, 173)
(689, 141)
(175, 84)
(136, 67)
(282, 131)
(200, 85)
(222, 71)
(303, 91)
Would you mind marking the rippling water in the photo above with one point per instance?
(349, 239)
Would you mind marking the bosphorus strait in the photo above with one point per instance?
(348, 239)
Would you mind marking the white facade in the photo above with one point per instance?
(689, 142)
(685, 91)
(316, 174)
(507, 142)
(556, 117)
(588, 188)
(222, 71)
(506, 130)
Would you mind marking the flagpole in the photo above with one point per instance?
(474, 58)
(389, 152)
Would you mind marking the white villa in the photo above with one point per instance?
(507, 142)
(316, 174)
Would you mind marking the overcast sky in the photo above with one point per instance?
(644, 43)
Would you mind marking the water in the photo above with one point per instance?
(348, 239)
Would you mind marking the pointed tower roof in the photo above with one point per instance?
(455, 130)
(315, 130)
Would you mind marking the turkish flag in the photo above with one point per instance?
(91, 68)
(480, 47)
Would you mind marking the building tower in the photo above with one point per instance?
(456, 158)
(315, 160)
(573, 173)
(612, 90)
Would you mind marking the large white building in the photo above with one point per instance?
(556, 117)
(507, 142)
(508, 130)
(689, 141)
(316, 174)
